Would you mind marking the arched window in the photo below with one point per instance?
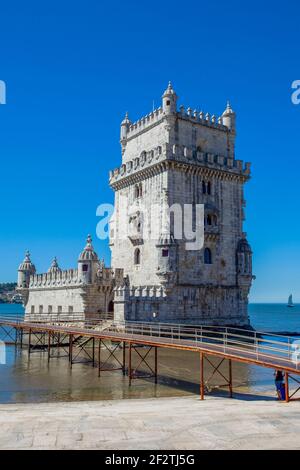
(111, 306)
(137, 256)
(203, 187)
(138, 190)
(208, 187)
(207, 256)
(209, 219)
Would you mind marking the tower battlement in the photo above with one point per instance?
(201, 161)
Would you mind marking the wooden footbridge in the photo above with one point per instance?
(88, 340)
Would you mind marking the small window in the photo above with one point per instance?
(209, 219)
(138, 191)
(85, 268)
(203, 187)
(137, 256)
(168, 102)
(207, 256)
(41, 309)
(165, 252)
(209, 187)
(49, 308)
(70, 309)
(59, 309)
(32, 308)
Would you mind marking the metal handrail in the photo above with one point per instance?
(219, 337)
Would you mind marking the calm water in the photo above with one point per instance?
(23, 380)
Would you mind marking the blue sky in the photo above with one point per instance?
(72, 69)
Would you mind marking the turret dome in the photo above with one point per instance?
(228, 109)
(54, 268)
(169, 91)
(88, 254)
(126, 121)
(27, 265)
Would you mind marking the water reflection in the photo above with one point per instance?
(32, 379)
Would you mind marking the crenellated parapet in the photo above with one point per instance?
(193, 115)
(64, 278)
(181, 154)
(145, 123)
(71, 277)
(127, 293)
(110, 277)
(202, 118)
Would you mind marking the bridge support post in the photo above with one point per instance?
(70, 350)
(124, 358)
(99, 357)
(155, 365)
(49, 345)
(230, 377)
(29, 341)
(287, 392)
(129, 364)
(201, 376)
(93, 351)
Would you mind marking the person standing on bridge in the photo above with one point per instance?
(279, 384)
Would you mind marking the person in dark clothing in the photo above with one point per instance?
(278, 383)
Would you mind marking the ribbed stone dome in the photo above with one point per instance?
(169, 91)
(88, 254)
(27, 265)
(54, 268)
(228, 110)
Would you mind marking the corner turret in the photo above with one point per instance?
(88, 263)
(26, 269)
(228, 118)
(169, 100)
(124, 131)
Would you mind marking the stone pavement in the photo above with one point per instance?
(164, 423)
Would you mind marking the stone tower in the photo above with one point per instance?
(180, 157)
(26, 269)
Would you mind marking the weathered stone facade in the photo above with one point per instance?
(85, 292)
(181, 157)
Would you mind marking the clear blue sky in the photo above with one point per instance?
(72, 69)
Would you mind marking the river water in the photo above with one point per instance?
(34, 380)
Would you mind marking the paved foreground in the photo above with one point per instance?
(164, 423)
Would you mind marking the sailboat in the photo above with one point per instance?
(290, 301)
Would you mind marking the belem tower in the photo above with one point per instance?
(170, 156)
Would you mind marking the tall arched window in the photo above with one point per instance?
(208, 187)
(207, 256)
(203, 187)
(137, 256)
(138, 190)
